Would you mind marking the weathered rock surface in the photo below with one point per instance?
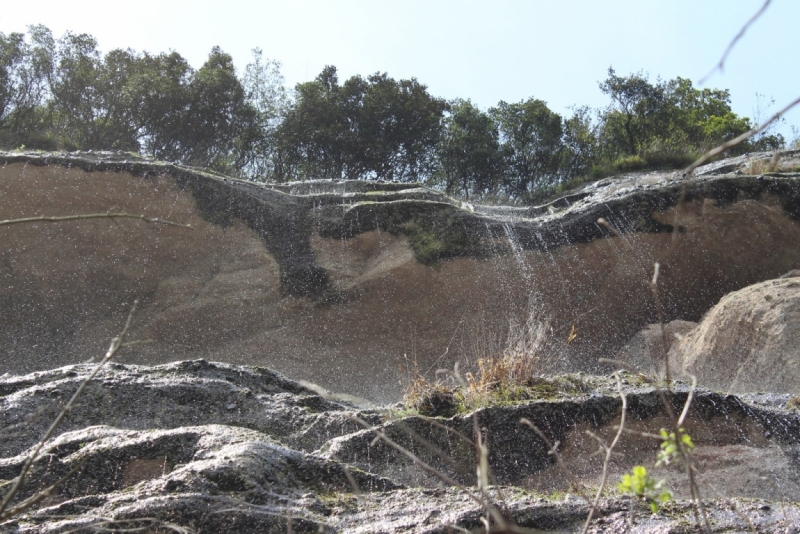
(218, 448)
(749, 341)
(334, 282)
(746, 447)
(644, 352)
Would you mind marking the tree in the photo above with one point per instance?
(636, 111)
(666, 119)
(312, 135)
(25, 69)
(702, 117)
(532, 145)
(13, 93)
(163, 97)
(265, 92)
(581, 148)
(373, 128)
(218, 117)
(399, 125)
(470, 159)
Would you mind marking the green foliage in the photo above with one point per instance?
(65, 94)
(640, 484)
(532, 145)
(667, 122)
(674, 449)
(629, 163)
(374, 128)
(469, 155)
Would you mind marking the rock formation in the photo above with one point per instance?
(343, 283)
(749, 341)
(214, 447)
(645, 352)
(357, 286)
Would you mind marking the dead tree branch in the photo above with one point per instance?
(93, 216)
(721, 65)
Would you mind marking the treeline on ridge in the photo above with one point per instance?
(65, 94)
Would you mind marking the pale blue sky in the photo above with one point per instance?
(483, 50)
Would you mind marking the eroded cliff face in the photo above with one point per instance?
(342, 283)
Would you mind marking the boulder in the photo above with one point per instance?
(644, 352)
(748, 342)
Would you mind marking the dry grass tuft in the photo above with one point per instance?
(756, 167)
(528, 352)
(511, 374)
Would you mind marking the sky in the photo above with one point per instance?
(487, 51)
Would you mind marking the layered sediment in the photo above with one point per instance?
(343, 283)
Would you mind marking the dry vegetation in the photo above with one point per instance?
(512, 373)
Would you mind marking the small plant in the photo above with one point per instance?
(674, 449)
(793, 403)
(640, 484)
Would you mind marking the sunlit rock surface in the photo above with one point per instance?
(214, 447)
(344, 283)
(645, 351)
(749, 341)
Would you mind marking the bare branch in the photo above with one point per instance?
(688, 402)
(608, 450)
(39, 495)
(115, 525)
(116, 344)
(661, 321)
(399, 448)
(93, 216)
(553, 450)
(721, 65)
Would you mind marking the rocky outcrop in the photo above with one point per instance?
(213, 447)
(339, 282)
(644, 352)
(749, 341)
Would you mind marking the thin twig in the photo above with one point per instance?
(40, 495)
(433, 449)
(481, 498)
(736, 510)
(698, 509)
(721, 65)
(112, 525)
(688, 402)
(661, 321)
(116, 344)
(608, 450)
(414, 458)
(93, 216)
(553, 451)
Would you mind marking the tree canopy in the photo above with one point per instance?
(66, 94)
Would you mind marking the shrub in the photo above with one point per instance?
(629, 163)
(670, 159)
